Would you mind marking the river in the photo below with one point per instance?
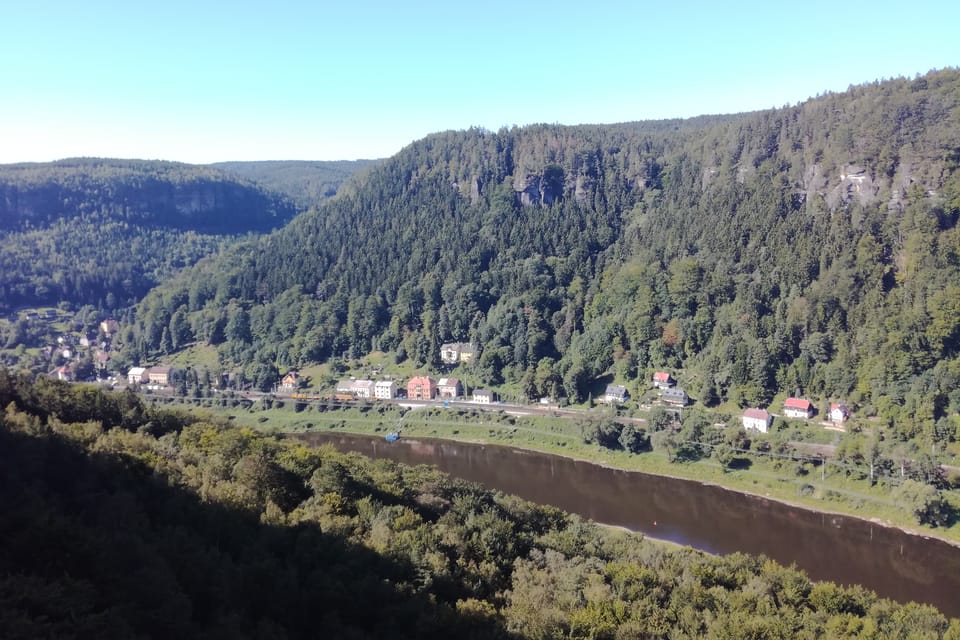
(841, 549)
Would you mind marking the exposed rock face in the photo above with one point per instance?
(476, 189)
(854, 184)
(583, 189)
(544, 189)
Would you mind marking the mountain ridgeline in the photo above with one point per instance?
(103, 232)
(812, 247)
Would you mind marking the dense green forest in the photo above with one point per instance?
(122, 520)
(811, 249)
(103, 232)
(307, 183)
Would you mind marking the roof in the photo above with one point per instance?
(483, 392)
(136, 371)
(674, 392)
(616, 389)
(384, 383)
(161, 370)
(661, 376)
(757, 414)
(363, 384)
(797, 403)
(421, 380)
(448, 382)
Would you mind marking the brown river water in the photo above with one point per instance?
(842, 549)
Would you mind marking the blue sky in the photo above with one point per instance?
(201, 82)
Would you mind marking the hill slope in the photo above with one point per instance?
(86, 230)
(811, 248)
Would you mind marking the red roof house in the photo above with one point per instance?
(797, 408)
(421, 388)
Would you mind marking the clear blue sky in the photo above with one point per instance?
(203, 81)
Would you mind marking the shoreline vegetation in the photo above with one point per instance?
(792, 484)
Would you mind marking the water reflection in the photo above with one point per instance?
(828, 547)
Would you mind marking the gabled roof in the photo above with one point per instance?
(136, 371)
(616, 389)
(384, 383)
(797, 403)
(448, 382)
(421, 380)
(661, 376)
(758, 414)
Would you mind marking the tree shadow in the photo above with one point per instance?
(740, 464)
(101, 545)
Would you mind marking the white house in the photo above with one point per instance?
(136, 375)
(456, 352)
(483, 396)
(757, 419)
(674, 396)
(615, 394)
(449, 388)
(839, 412)
(363, 388)
(385, 390)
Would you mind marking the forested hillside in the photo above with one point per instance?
(103, 232)
(306, 183)
(811, 248)
(121, 520)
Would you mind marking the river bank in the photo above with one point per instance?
(799, 487)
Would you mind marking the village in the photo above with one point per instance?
(86, 358)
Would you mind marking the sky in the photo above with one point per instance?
(204, 81)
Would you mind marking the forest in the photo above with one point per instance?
(809, 250)
(124, 520)
(103, 232)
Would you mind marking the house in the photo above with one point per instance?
(345, 387)
(385, 390)
(289, 383)
(677, 397)
(615, 394)
(64, 373)
(101, 360)
(159, 376)
(457, 352)
(136, 375)
(449, 388)
(662, 380)
(109, 327)
(482, 396)
(421, 388)
(757, 419)
(839, 412)
(797, 408)
(85, 341)
(363, 388)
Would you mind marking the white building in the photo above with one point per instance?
(483, 396)
(363, 388)
(385, 390)
(757, 419)
(136, 375)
